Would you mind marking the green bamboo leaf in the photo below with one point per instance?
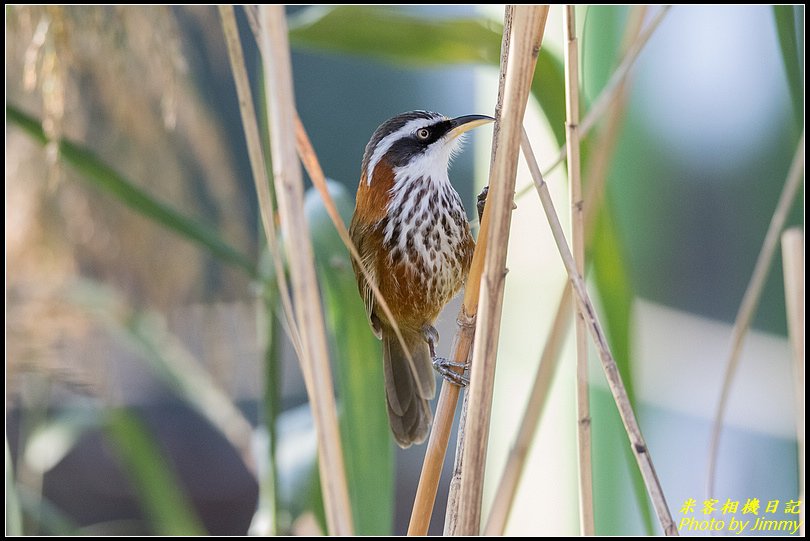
(105, 178)
(616, 294)
(367, 444)
(392, 36)
(786, 18)
(163, 500)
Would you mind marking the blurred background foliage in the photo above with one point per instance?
(150, 384)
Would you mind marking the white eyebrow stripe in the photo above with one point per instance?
(387, 142)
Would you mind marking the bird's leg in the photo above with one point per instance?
(481, 201)
(443, 365)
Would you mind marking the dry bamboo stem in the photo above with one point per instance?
(750, 301)
(549, 360)
(793, 267)
(472, 290)
(451, 513)
(614, 380)
(585, 466)
(602, 102)
(440, 432)
(309, 315)
(462, 344)
(258, 164)
(527, 30)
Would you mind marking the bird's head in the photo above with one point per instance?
(417, 144)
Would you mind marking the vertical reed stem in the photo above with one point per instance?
(527, 30)
(289, 186)
(793, 268)
(585, 468)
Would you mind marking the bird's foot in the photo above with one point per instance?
(445, 368)
(481, 202)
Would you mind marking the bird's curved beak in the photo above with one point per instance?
(465, 123)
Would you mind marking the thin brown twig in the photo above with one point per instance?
(793, 268)
(614, 379)
(608, 93)
(750, 301)
(583, 408)
(527, 32)
(288, 182)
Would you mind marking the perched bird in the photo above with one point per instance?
(412, 234)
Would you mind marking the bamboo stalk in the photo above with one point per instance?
(549, 360)
(453, 494)
(614, 379)
(603, 101)
(471, 296)
(750, 301)
(585, 466)
(527, 30)
(460, 351)
(288, 182)
(258, 164)
(793, 268)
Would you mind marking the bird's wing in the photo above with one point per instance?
(361, 236)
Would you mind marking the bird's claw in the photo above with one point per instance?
(481, 201)
(445, 368)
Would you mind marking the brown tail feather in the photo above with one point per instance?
(408, 409)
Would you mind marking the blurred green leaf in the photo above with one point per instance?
(266, 518)
(786, 18)
(388, 34)
(105, 178)
(13, 515)
(170, 361)
(158, 488)
(610, 274)
(616, 294)
(367, 444)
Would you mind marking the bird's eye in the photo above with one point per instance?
(422, 133)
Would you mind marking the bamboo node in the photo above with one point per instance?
(464, 320)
